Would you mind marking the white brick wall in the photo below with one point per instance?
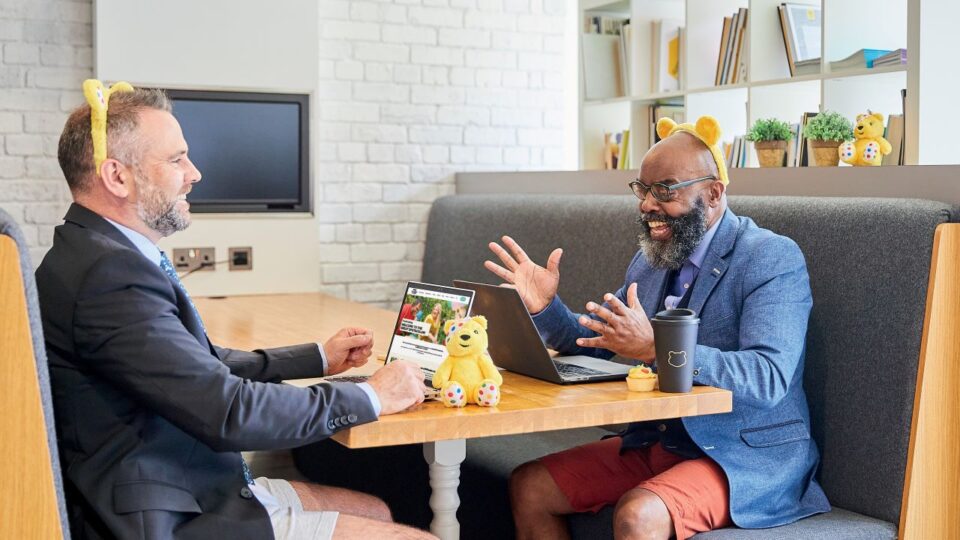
(46, 54)
(411, 92)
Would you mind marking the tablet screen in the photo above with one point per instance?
(419, 334)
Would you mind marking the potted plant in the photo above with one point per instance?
(825, 133)
(770, 137)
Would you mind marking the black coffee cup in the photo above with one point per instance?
(675, 336)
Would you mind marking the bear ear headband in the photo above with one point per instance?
(98, 97)
(707, 130)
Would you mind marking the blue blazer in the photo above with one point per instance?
(753, 297)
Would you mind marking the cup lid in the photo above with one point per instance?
(680, 314)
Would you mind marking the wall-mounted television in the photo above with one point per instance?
(251, 148)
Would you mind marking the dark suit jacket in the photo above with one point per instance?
(151, 416)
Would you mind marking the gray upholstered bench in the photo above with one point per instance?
(869, 262)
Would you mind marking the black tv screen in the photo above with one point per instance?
(251, 149)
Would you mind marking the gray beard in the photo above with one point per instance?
(688, 231)
(157, 212)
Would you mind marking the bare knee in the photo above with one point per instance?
(641, 514)
(529, 486)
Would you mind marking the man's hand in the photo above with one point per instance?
(349, 348)
(399, 385)
(625, 330)
(537, 285)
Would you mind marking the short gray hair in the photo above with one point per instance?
(75, 152)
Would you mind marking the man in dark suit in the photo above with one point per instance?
(151, 417)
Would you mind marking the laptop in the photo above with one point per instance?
(515, 344)
(419, 332)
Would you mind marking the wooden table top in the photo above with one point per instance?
(527, 405)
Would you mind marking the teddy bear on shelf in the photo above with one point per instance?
(869, 146)
(468, 374)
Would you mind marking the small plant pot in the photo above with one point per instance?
(771, 153)
(825, 153)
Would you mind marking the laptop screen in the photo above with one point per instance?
(419, 335)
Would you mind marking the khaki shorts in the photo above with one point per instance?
(290, 521)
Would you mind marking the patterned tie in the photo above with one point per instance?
(167, 268)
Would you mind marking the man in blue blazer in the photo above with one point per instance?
(753, 467)
(151, 417)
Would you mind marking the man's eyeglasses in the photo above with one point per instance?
(663, 192)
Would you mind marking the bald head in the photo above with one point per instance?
(680, 156)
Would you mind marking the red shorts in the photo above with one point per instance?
(594, 475)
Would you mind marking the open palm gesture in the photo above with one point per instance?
(537, 285)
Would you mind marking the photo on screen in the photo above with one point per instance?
(419, 335)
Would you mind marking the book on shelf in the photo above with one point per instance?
(724, 36)
(892, 58)
(894, 135)
(602, 78)
(603, 24)
(803, 157)
(626, 60)
(861, 59)
(664, 110)
(732, 58)
(807, 67)
(624, 140)
(800, 26)
(793, 145)
(666, 35)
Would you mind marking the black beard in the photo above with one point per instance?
(688, 231)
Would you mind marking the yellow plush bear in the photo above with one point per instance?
(468, 373)
(869, 146)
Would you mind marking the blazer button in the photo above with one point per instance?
(352, 418)
(331, 426)
(246, 493)
(662, 428)
(696, 372)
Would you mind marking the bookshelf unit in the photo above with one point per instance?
(767, 89)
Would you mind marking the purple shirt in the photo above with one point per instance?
(684, 279)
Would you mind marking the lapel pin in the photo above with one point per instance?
(716, 271)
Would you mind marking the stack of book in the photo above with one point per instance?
(735, 153)
(732, 59)
(863, 58)
(892, 58)
(605, 58)
(603, 24)
(801, 28)
(616, 150)
(664, 110)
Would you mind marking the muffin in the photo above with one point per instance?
(641, 379)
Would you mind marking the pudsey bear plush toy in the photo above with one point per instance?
(869, 146)
(468, 373)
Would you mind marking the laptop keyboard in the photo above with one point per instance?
(570, 370)
(427, 378)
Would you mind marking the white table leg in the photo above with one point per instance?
(444, 458)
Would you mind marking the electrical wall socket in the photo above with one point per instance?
(189, 259)
(241, 258)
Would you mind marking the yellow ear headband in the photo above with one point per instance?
(707, 130)
(98, 97)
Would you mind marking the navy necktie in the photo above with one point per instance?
(168, 269)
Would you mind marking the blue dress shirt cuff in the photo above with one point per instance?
(374, 400)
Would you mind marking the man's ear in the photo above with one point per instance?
(715, 193)
(116, 178)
